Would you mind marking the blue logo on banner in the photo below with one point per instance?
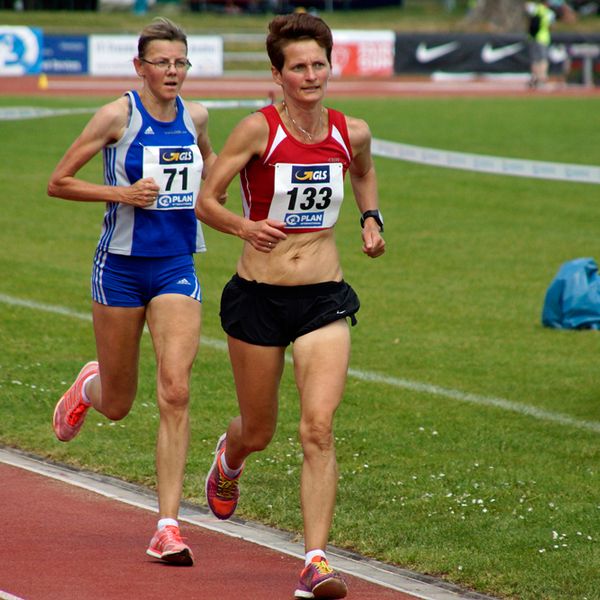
(308, 219)
(20, 50)
(310, 174)
(65, 54)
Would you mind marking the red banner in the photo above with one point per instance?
(363, 53)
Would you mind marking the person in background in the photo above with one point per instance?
(564, 11)
(292, 157)
(541, 18)
(155, 148)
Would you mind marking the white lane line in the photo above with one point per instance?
(6, 596)
(483, 163)
(413, 386)
(20, 113)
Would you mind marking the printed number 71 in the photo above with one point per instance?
(171, 173)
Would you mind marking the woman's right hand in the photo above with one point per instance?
(142, 193)
(264, 235)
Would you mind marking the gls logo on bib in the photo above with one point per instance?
(304, 174)
(175, 155)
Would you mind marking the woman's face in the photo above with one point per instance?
(305, 71)
(163, 67)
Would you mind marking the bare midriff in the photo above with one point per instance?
(301, 259)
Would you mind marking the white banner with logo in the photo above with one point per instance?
(112, 55)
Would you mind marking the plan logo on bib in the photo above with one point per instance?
(304, 219)
(174, 201)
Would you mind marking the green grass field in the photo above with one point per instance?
(415, 15)
(479, 478)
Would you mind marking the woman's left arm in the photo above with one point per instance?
(199, 115)
(364, 185)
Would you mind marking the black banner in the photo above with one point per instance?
(477, 53)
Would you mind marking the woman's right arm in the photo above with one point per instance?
(105, 127)
(248, 139)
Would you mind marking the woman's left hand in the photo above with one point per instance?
(373, 243)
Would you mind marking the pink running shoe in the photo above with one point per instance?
(168, 545)
(222, 493)
(319, 580)
(70, 410)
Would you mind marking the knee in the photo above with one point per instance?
(174, 396)
(115, 412)
(316, 435)
(256, 439)
(114, 405)
(116, 396)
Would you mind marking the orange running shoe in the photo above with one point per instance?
(70, 410)
(319, 580)
(168, 545)
(222, 493)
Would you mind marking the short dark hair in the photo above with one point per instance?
(284, 29)
(161, 28)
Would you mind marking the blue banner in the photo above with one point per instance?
(65, 55)
(20, 50)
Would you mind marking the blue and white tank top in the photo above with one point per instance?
(167, 152)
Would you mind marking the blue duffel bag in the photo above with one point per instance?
(573, 297)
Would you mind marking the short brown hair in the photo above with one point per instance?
(284, 29)
(161, 28)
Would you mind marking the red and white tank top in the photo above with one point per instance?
(300, 184)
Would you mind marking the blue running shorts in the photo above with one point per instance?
(120, 280)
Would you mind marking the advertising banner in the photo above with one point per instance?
(478, 53)
(65, 55)
(20, 50)
(363, 53)
(461, 53)
(112, 55)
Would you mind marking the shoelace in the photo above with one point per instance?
(227, 488)
(171, 535)
(322, 567)
(74, 416)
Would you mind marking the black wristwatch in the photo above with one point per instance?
(372, 213)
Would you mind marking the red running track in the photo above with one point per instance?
(64, 542)
(262, 87)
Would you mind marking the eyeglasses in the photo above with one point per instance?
(181, 64)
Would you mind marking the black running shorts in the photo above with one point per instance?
(275, 315)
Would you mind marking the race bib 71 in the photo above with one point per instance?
(177, 171)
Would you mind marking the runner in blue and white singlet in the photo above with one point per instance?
(167, 152)
(156, 149)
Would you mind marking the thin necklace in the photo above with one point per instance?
(301, 129)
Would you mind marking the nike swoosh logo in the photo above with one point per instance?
(425, 54)
(489, 54)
